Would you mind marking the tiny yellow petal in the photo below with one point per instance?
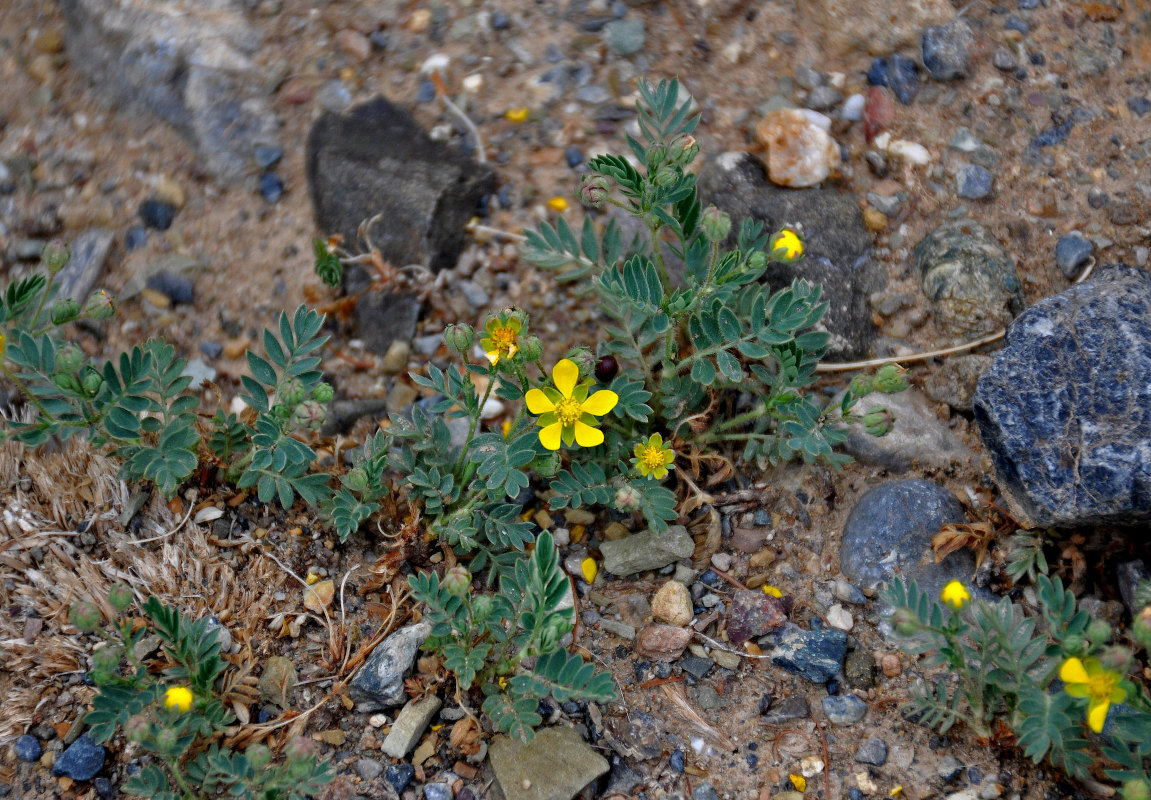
(437, 727)
(1073, 671)
(898, 790)
(506, 427)
(179, 698)
(587, 436)
(589, 569)
(789, 242)
(558, 204)
(771, 590)
(503, 683)
(551, 436)
(538, 402)
(565, 375)
(1097, 715)
(516, 115)
(600, 403)
(799, 782)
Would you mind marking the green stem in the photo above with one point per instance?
(21, 385)
(653, 230)
(742, 419)
(473, 422)
(43, 299)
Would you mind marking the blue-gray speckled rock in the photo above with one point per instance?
(379, 683)
(81, 761)
(844, 709)
(1065, 409)
(815, 655)
(888, 534)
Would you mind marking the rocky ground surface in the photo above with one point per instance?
(971, 160)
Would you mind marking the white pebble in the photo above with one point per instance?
(818, 120)
(697, 744)
(436, 62)
(911, 152)
(853, 108)
(811, 766)
(839, 617)
(473, 83)
(721, 561)
(378, 720)
(492, 409)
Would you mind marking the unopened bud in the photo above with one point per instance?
(715, 224)
(258, 755)
(69, 358)
(1098, 631)
(92, 381)
(594, 190)
(100, 305)
(904, 623)
(55, 256)
(547, 464)
(1141, 628)
(1117, 659)
(627, 498)
(104, 662)
(666, 177)
(136, 729)
(459, 338)
(457, 581)
(167, 739)
(356, 479)
(584, 360)
(65, 311)
(532, 349)
(757, 260)
(1136, 790)
(323, 393)
(878, 421)
(308, 416)
(85, 616)
(683, 150)
(891, 378)
(120, 597)
(300, 749)
(1074, 646)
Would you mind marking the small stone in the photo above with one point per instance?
(874, 219)
(873, 751)
(721, 561)
(399, 776)
(1004, 60)
(475, 294)
(557, 763)
(675, 761)
(859, 669)
(844, 709)
(267, 155)
(271, 187)
(49, 42)
(726, 659)
(593, 95)
(395, 360)
(333, 736)
(647, 550)
(800, 151)
(704, 791)
(672, 604)
(696, 666)
(890, 665)
(973, 182)
(753, 614)
(1072, 252)
(809, 78)
(379, 684)
(334, 96)
(898, 73)
(1139, 105)
(624, 37)
(409, 726)
(27, 748)
(278, 681)
(839, 617)
(158, 214)
(437, 791)
(794, 707)
(848, 593)
(822, 98)
(81, 761)
(354, 43)
(878, 114)
(573, 156)
(177, 288)
(816, 655)
(852, 110)
(617, 628)
(105, 789)
(662, 642)
(946, 50)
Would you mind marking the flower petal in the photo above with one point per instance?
(1097, 715)
(587, 436)
(550, 436)
(1073, 671)
(493, 357)
(565, 374)
(600, 403)
(538, 402)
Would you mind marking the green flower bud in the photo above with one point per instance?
(99, 305)
(550, 636)
(105, 661)
(583, 359)
(594, 190)
(1141, 628)
(356, 479)
(1117, 659)
(547, 465)
(683, 150)
(532, 349)
(323, 393)
(627, 498)
(904, 623)
(65, 311)
(878, 421)
(67, 382)
(85, 616)
(167, 739)
(482, 607)
(714, 224)
(862, 385)
(293, 395)
(457, 581)
(757, 260)
(300, 749)
(459, 338)
(308, 416)
(69, 358)
(1074, 646)
(55, 256)
(137, 728)
(656, 154)
(92, 381)
(666, 177)
(120, 596)
(1098, 631)
(891, 378)
(1136, 790)
(258, 755)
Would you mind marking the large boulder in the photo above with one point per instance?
(1065, 409)
(187, 62)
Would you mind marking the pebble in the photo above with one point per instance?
(898, 73)
(753, 614)
(721, 561)
(872, 751)
(500, 20)
(437, 791)
(1139, 105)
(946, 50)
(809, 78)
(399, 776)
(816, 655)
(704, 791)
(573, 156)
(675, 761)
(104, 788)
(354, 43)
(974, 182)
(135, 237)
(789, 708)
(475, 294)
(156, 213)
(334, 96)
(844, 709)
(848, 593)
(271, 187)
(696, 666)
(27, 748)
(593, 95)
(672, 604)
(800, 152)
(368, 768)
(839, 617)
(1004, 59)
(624, 37)
(890, 665)
(852, 110)
(267, 155)
(1072, 252)
(823, 98)
(176, 288)
(1053, 135)
(949, 768)
(662, 642)
(81, 761)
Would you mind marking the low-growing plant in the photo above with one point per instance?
(1042, 680)
(169, 707)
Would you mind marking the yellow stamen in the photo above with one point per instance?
(568, 411)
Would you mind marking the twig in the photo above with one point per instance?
(726, 649)
(498, 232)
(461, 116)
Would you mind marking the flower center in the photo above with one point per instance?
(1100, 687)
(568, 411)
(651, 457)
(503, 337)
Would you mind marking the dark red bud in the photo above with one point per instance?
(606, 369)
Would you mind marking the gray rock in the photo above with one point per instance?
(173, 264)
(368, 768)
(385, 317)
(704, 791)
(624, 37)
(946, 50)
(888, 204)
(889, 533)
(1130, 575)
(617, 628)
(918, 435)
(949, 768)
(794, 707)
(81, 761)
(376, 161)
(815, 655)
(83, 270)
(555, 765)
(969, 278)
(27, 748)
(409, 726)
(278, 682)
(1072, 252)
(343, 414)
(1004, 59)
(953, 382)
(873, 751)
(188, 63)
(647, 550)
(437, 791)
(844, 709)
(379, 683)
(974, 182)
(1064, 411)
(838, 245)
(696, 667)
(823, 98)
(199, 372)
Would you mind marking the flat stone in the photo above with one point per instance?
(1063, 410)
(555, 765)
(917, 437)
(815, 655)
(278, 681)
(368, 768)
(872, 750)
(696, 667)
(409, 726)
(974, 182)
(787, 709)
(89, 254)
(617, 628)
(752, 614)
(662, 642)
(946, 50)
(844, 709)
(27, 748)
(647, 550)
(379, 683)
(1072, 252)
(80, 761)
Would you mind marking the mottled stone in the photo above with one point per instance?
(815, 655)
(662, 642)
(752, 614)
(918, 435)
(1065, 410)
(647, 550)
(379, 683)
(800, 152)
(873, 751)
(844, 709)
(672, 604)
(794, 707)
(555, 765)
(81, 761)
(946, 50)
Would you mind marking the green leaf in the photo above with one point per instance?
(702, 372)
(729, 366)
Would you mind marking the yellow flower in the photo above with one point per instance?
(516, 115)
(179, 698)
(1101, 686)
(788, 241)
(653, 458)
(558, 204)
(502, 340)
(566, 412)
(955, 594)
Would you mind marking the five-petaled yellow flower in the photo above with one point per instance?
(179, 698)
(502, 340)
(1101, 686)
(566, 412)
(955, 594)
(653, 458)
(788, 241)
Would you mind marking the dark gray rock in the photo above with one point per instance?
(1130, 574)
(1064, 410)
(696, 667)
(379, 684)
(1072, 252)
(823, 98)
(844, 709)
(27, 748)
(838, 245)
(399, 776)
(898, 73)
(974, 182)
(385, 317)
(816, 655)
(873, 751)
(81, 761)
(368, 768)
(177, 288)
(794, 707)
(376, 163)
(969, 278)
(918, 435)
(946, 50)
(889, 534)
(185, 62)
(83, 270)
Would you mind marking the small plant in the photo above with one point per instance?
(171, 709)
(1002, 670)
